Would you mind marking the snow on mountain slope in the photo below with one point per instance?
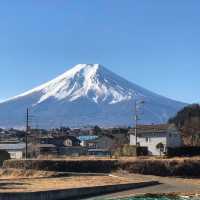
(87, 94)
(83, 80)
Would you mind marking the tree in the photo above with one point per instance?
(97, 130)
(188, 122)
(161, 147)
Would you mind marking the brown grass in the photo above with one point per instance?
(131, 158)
(54, 157)
(29, 185)
(20, 174)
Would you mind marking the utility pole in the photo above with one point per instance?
(136, 104)
(136, 121)
(26, 134)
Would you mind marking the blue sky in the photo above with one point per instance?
(153, 43)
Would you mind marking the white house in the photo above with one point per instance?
(157, 138)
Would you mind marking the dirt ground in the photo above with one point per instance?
(20, 173)
(17, 182)
(44, 184)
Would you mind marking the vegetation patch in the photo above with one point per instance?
(81, 166)
(163, 167)
(20, 173)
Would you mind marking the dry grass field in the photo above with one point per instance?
(22, 174)
(52, 157)
(133, 158)
(45, 184)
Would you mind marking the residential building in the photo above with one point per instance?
(87, 140)
(157, 138)
(102, 142)
(60, 145)
(47, 149)
(73, 151)
(99, 152)
(66, 141)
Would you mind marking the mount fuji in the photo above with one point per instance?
(87, 94)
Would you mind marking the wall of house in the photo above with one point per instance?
(174, 140)
(73, 151)
(104, 143)
(15, 154)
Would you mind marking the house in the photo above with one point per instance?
(87, 140)
(102, 142)
(96, 142)
(60, 145)
(59, 141)
(98, 145)
(99, 152)
(47, 149)
(72, 151)
(16, 150)
(157, 138)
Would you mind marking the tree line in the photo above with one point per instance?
(187, 121)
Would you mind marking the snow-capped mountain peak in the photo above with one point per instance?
(87, 94)
(90, 81)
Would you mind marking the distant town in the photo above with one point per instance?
(143, 140)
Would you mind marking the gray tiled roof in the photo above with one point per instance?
(17, 146)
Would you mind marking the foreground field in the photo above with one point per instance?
(25, 174)
(46, 184)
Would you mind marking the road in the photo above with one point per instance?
(167, 185)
